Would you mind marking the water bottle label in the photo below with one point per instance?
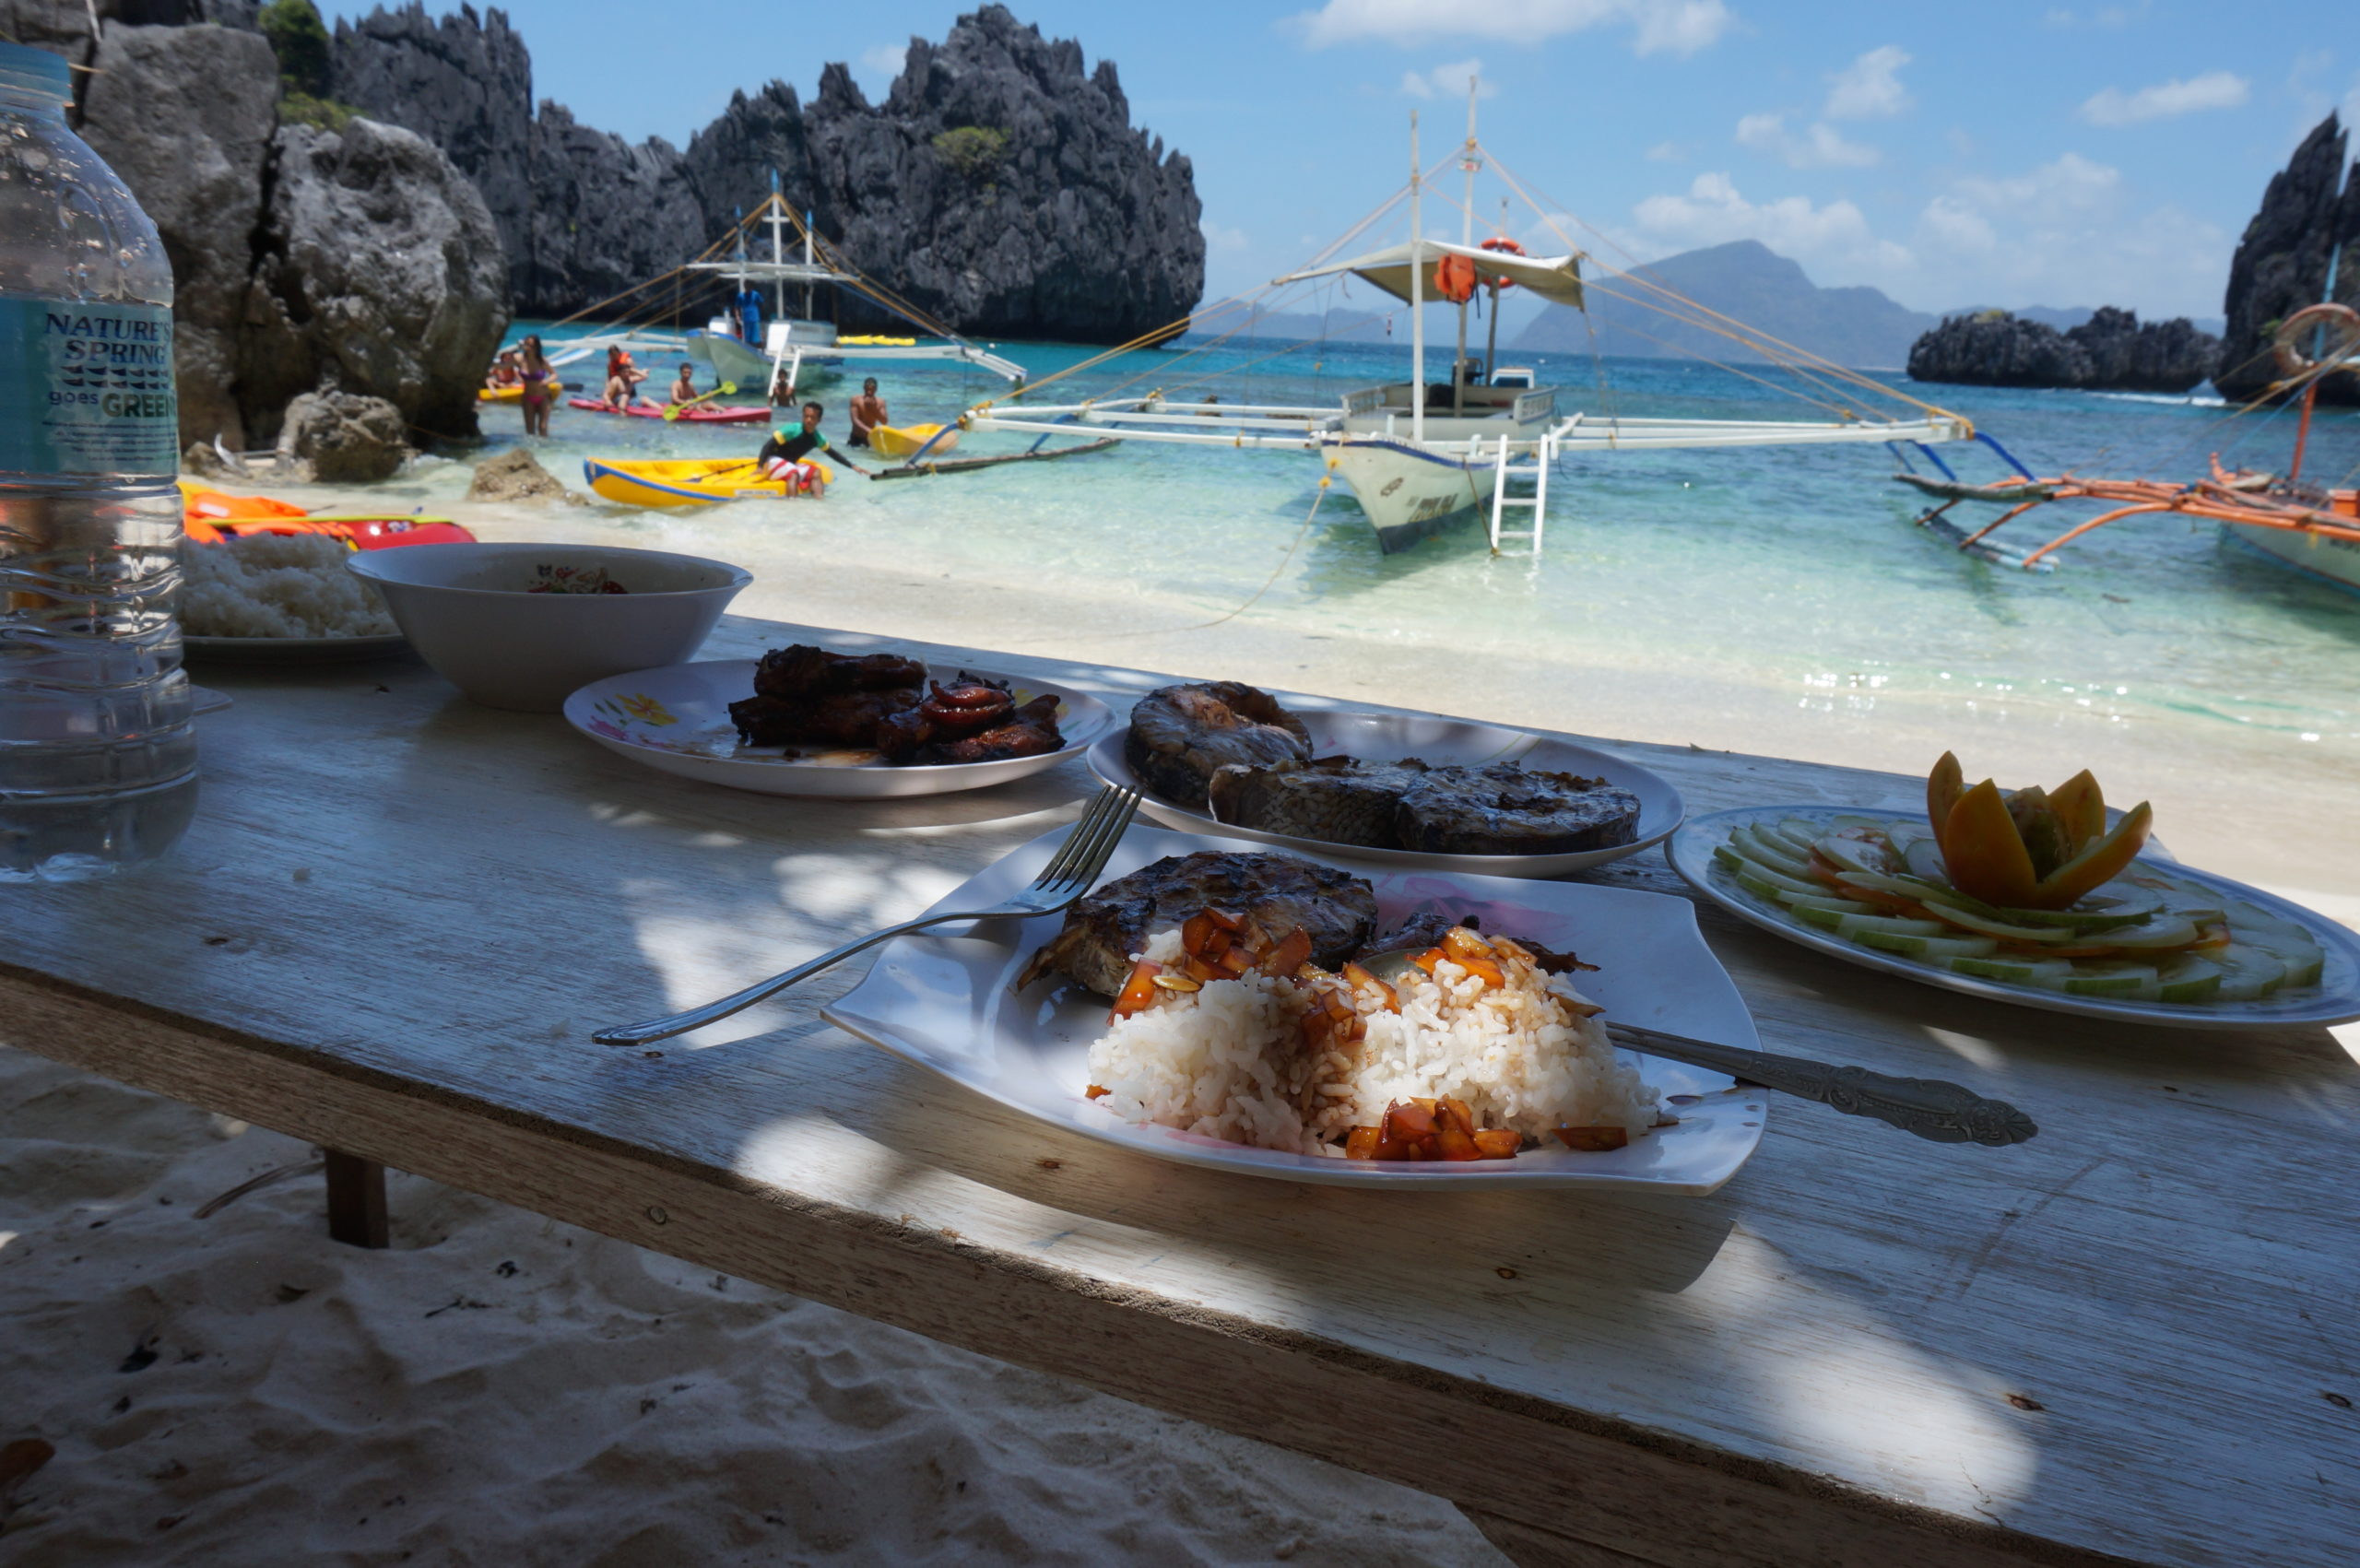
(87, 388)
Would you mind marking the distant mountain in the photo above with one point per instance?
(1744, 279)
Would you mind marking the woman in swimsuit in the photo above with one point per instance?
(540, 390)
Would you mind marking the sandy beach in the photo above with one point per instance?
(225, 1383)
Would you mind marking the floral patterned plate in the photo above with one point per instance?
(676, 720)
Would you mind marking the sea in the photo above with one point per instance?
(1798, 574)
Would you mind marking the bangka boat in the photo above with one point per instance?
(698, 481)
(1420, 454)
(2311, 529)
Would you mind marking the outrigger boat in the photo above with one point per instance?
(2311, 529)
(1416, 455)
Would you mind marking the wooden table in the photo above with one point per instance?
(2133, 1339)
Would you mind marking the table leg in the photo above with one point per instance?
(356, 1200)
(1528, 1547)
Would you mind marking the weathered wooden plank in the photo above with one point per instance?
(389, 884)
(1511, 1461)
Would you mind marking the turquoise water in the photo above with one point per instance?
(1793, 571)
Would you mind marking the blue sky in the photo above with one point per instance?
(2008, 154)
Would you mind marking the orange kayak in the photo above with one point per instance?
(210, 517)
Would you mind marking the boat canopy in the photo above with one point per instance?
(1555, 278)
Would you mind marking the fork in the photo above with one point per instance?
(1069, 874)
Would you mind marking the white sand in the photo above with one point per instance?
(498, 1388)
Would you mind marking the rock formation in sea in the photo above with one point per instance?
(339, 438)
(2309, 214)
(1001, 186)
(2110, 352)
(302, 260)
(377, 270)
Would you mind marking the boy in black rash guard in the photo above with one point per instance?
(787, 455)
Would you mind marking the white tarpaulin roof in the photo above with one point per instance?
(1556, 278)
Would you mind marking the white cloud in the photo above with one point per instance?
(886, 59)
(1667, 152)
(2214, 90)
(1670, 27)
(1819, 148)
(1870, 87)
(1225, 241)
(1448, 81)
(2073, 185)
(1713, 212)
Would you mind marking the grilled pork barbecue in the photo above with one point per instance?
(808, 696)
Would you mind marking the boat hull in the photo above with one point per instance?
(1408, 494)
(2331, 560)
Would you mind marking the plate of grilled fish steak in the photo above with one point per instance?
(1393, 789)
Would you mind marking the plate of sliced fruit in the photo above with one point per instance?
(2032, 897)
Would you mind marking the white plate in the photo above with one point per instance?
(1388, 738)
(676, 721)
(943, 1002)
(292, 650)
(2336, 999)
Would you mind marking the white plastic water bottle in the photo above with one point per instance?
(98, 761)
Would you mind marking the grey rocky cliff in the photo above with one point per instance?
(378, 271)
(302, 261)
(2282, 263)
(157, 111)
(2110, 352)
(1084, 228)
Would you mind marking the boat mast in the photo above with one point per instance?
(1417, 294)
(1469, 160)
(1492, 346)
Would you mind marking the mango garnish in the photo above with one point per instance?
(2029, 848)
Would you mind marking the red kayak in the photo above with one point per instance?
(701, 414)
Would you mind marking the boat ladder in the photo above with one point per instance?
(1544, 455)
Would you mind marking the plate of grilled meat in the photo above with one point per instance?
(1405, 790)
(808, 720)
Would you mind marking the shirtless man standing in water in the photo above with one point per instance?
(868, 412)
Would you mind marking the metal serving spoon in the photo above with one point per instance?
(1945, 1112)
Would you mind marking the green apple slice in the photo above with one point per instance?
(2247, 974)
(2169, 932)
(1852, 855)
(2304, 958)
(1986, 926)
(2189, 979)
(1932, 948)
(2015, 970)
(1758, 879)
(1852, 926)
(1762, 850)
(2127, 981)
(1828, 905)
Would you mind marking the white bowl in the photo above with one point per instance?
(470, 611)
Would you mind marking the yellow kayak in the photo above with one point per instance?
(891, 441)
(691, 481)
(510, 394)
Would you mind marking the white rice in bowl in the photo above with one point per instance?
(1230, 1061)
(276, 585)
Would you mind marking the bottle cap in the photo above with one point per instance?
(35, 73)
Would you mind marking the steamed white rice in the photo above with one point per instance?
(276, 585)
(1228, 1061)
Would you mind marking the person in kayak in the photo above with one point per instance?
(788, 455)
(684, 387)
(867, 412)
(622, 379)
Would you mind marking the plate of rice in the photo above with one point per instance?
(280, 598)
(1234, 1074)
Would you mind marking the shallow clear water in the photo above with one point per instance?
(1795, 572)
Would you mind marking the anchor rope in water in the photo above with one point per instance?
(1326, 481)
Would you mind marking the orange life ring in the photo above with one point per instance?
(2341, 323)
(1455, 279)
(1505, 247)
